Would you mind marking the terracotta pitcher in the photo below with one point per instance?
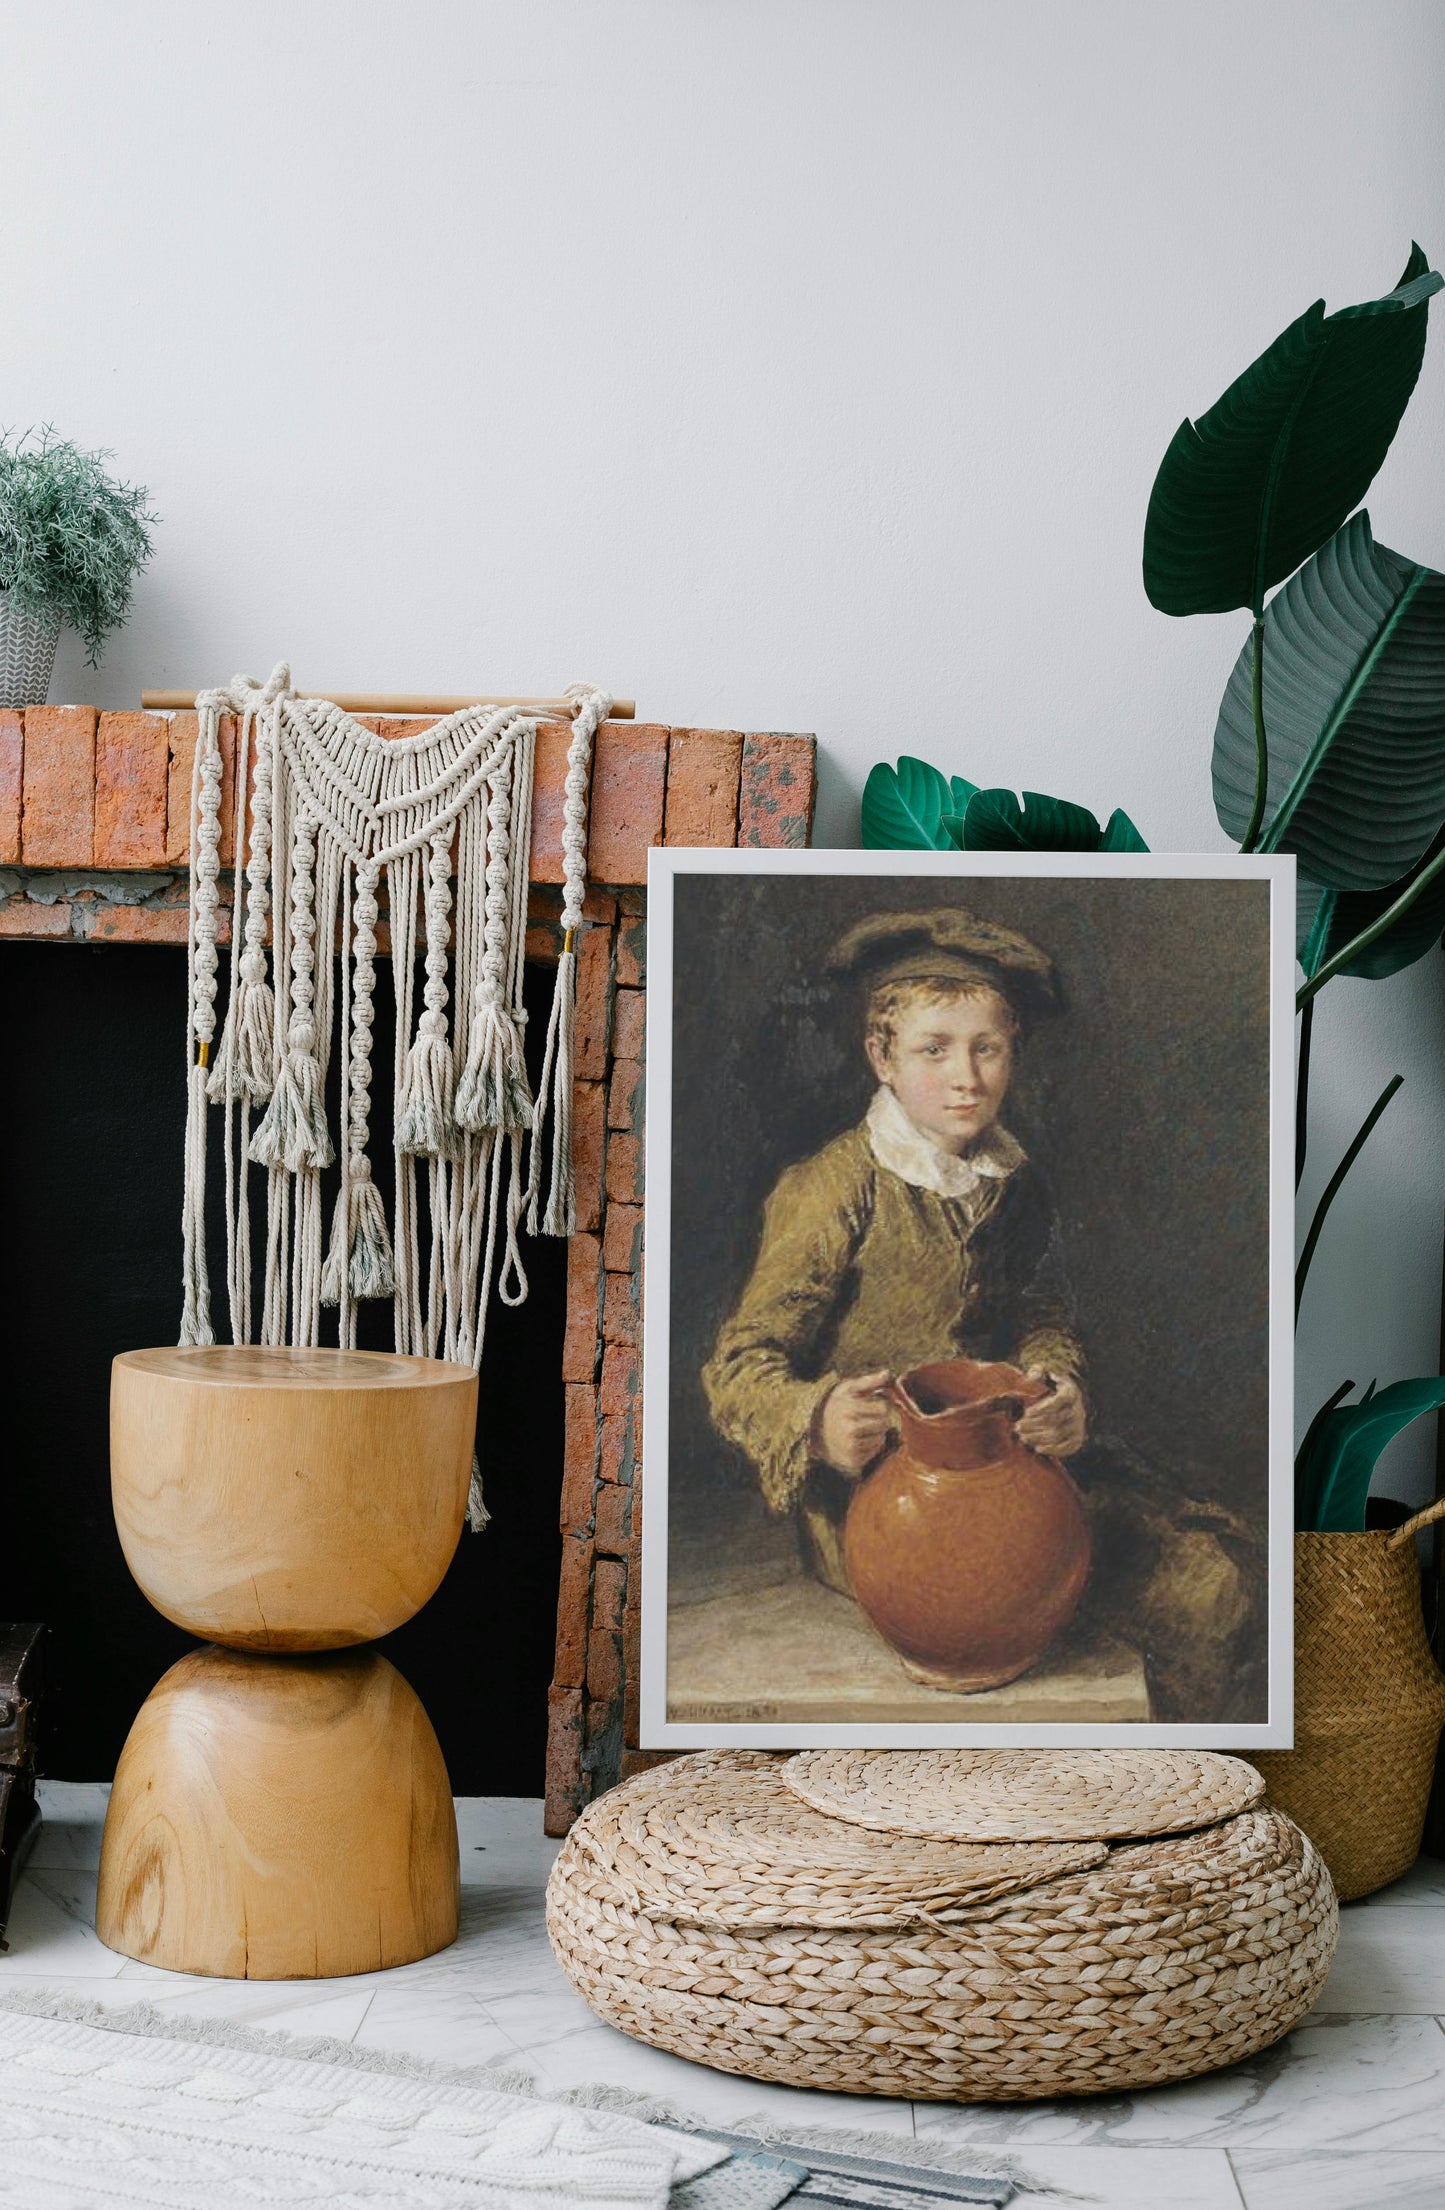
(967, 1550)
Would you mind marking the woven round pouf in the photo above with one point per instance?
(706, 1909)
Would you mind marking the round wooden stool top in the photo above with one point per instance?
(280, 1499)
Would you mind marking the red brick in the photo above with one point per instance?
(621, 1309)
(629, 1024)
(629, 793)
(622, 1239)
(614, 1510)
(609, 1594)
(636, 1761)
(589, 1137)
(180, 767)
(599, 907)
(393, 726)
(579, 1456)
(584, 1302)
(564, 1759)
(58, 822)
(12, 755)
(594, 995)
(632, 950)
(132, 760)
(549, 778)
(632, 1671)
(624, 1096)
(20, 917)
(619, 1379)
(573, 1593)
(616, 1456)
(703, 771)
(136, 924)
(624, 1169)
(604, 1667)
(779, 787)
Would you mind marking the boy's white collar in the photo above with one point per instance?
(907, 1152)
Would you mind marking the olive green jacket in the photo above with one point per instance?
(859, 1269)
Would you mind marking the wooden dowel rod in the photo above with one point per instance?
(366, 702)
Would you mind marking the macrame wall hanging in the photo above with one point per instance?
(443, 819)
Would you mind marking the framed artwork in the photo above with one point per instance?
(968, 1405)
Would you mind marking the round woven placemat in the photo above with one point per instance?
(1024, 1795)
(728, 1844)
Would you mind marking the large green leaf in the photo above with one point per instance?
(1258, 483)
(1354, 711)
(995, 821)
(1328, 920)
(903, 807)
(1337, 1462)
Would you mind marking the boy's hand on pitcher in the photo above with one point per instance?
(853, 1423)
(1058, 1424)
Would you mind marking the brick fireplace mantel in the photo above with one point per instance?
(94, 845)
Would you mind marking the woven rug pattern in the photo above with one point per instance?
(96, 2117)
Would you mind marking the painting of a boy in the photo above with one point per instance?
(926, 1232)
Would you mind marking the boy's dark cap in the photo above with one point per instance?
(950, 942)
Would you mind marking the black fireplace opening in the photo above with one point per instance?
(92, 1111)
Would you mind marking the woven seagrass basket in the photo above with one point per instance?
(27, 653)
(791, 1950)
(1369, 1704)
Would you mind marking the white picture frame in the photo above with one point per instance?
(1006, 888)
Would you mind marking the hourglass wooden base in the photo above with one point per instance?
(279, 1819)
(278, 1813)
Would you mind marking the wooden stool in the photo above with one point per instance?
(279, 1814)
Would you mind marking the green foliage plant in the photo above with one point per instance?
(72, 539)
(914, 807)
(1337, 1459)
(1330, 740)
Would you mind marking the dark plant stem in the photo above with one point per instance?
(1302, 1092)
(1367, 937)
(1332, 1187)
(1261, 747)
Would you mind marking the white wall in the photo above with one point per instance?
(793, 364)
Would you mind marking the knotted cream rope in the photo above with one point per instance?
(444, 819)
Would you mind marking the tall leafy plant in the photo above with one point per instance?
(1330, 741)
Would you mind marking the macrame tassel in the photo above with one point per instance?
(293, 1133)
(366, 1248)
(426, 1120)
(494, 1091)
(560, 1215)
(478, 1516)
(244, 1069)
(196, 1289)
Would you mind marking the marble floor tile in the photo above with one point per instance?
(52, 1934)
(1360, 2082)
(73, 1814)
(502, 1842)
(1123, 2179)
(1423, 1883)
(1389, 1960)
(1390, 2179)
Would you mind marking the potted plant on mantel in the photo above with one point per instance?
(1330, 744)
(72, 541)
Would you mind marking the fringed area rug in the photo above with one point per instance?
(101, 2109)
